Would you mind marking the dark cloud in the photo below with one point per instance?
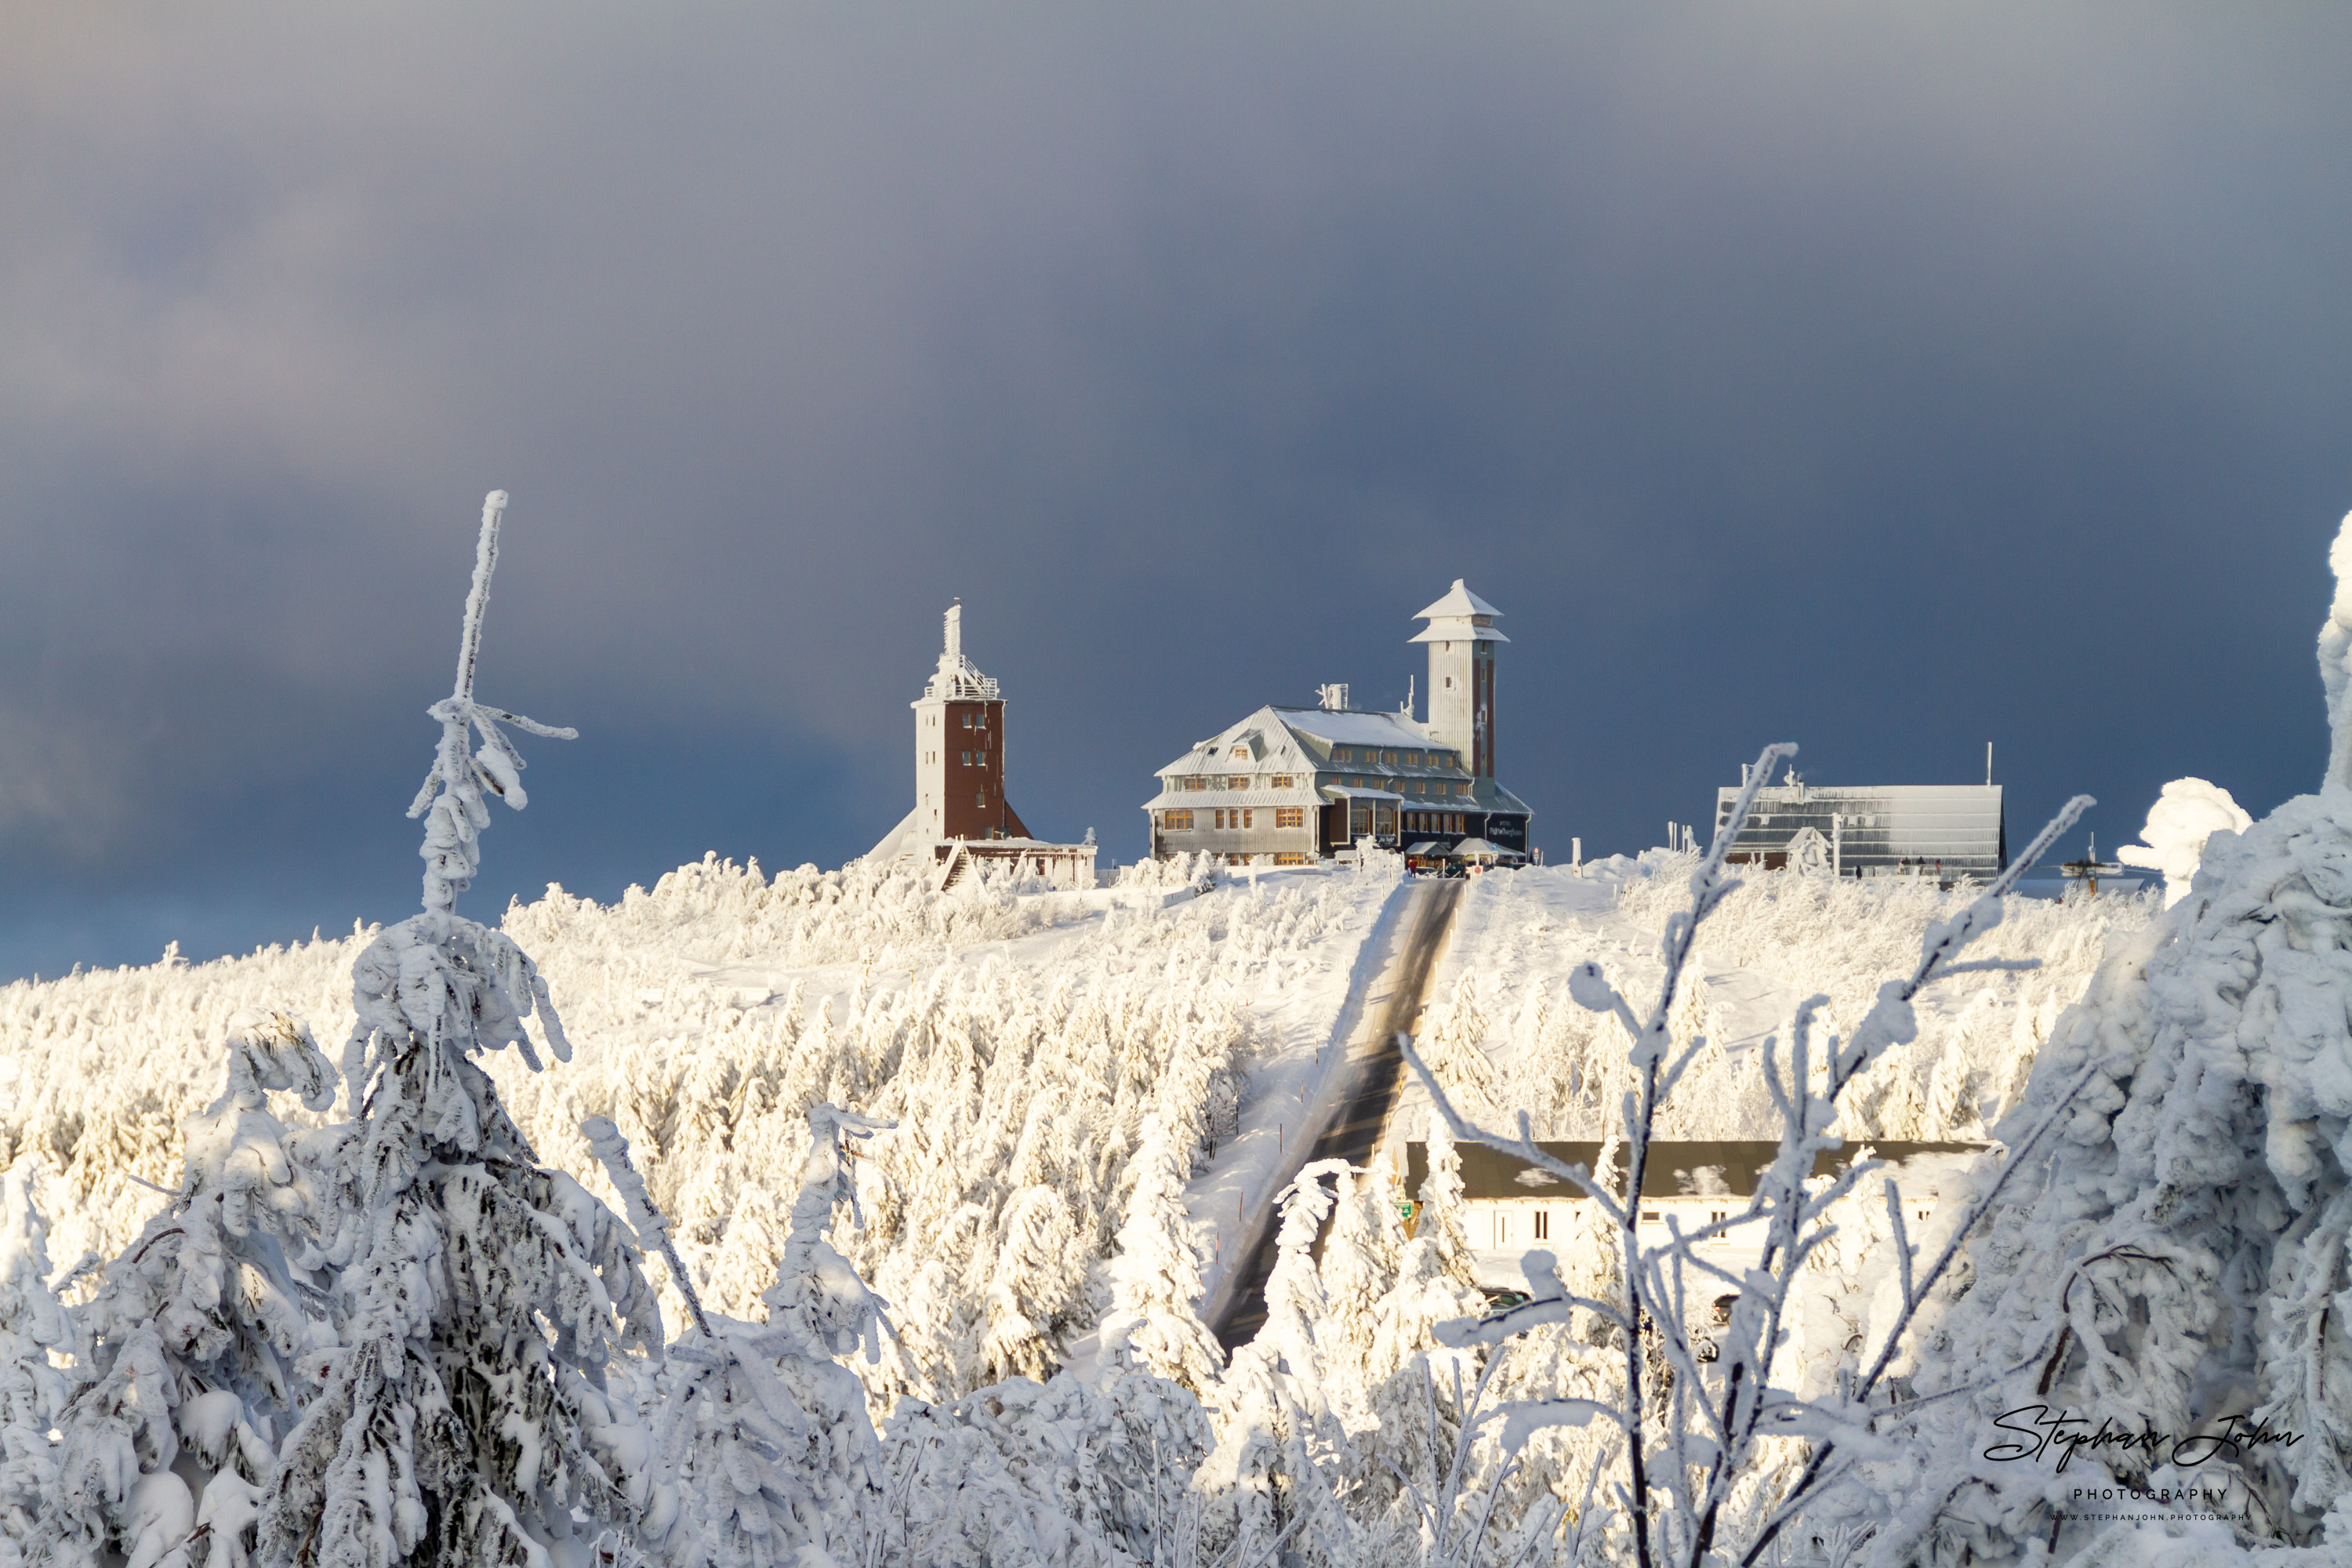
(1891, 381)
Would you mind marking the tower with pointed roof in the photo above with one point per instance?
(961, 818)
(959, 748)
(1462, 640)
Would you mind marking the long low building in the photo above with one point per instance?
(1511, 1208)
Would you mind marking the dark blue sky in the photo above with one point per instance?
(1890, 380)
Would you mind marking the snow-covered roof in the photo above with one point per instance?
(1279, 732)
(899, 840)
(1470, 847)
(1462, 630)
(1352, 727)
(1460, 616)
(1458, 601)
(1207, 799)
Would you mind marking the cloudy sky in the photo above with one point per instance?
(1890, 379)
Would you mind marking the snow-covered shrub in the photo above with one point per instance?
(2186, 813)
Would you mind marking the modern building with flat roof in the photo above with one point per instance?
(1944, 831)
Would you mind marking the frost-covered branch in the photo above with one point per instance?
(451, 799)
(1696, 1441)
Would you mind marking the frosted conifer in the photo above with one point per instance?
(464, 1417)
(195, 1335)
(1155, 1278)
(31, 1391)
(765, 1444)
(2179, 1257)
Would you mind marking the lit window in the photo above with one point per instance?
(1343, 753)
(1290, 816)
(1282, 780)
(1389, 757)
(1176, 821)
(1421, 786)
(1247, 817)
(1240, 752)
(1291, 858)
(1412, 758)
(1238, 781)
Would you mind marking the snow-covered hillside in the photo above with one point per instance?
(1780, 938)
(1019, 1038)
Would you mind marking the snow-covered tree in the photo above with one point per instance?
(2186, 813)
(1155, 1278)
(33, 1390)
(765, 1445)
(2176, 1257)
(1275, 1468)
(1712, 1470)
(197, 1336)
(465, 1415)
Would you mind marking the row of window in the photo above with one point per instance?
(1291, 780)
(972, 721)
(1235, 781)
(1415, 786)
(969, 759)
(1394, 758)
(1180, 819)
(1436, 822)
(1288, 858)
